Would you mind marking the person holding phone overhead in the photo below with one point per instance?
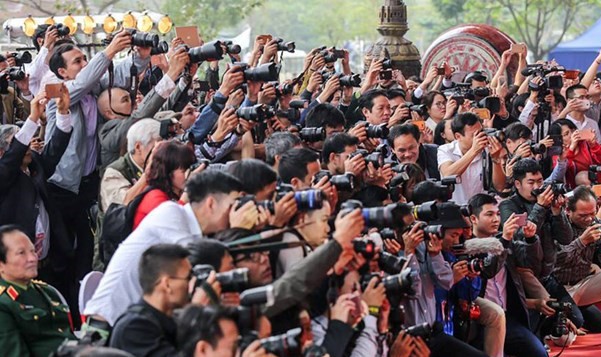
(579, 102)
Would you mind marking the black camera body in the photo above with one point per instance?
(558, 188)
(257, 113)
(21, 58)
(376, 131)
(493, 104)
(267, 72)
(231, 281)
(422, 330)
(367, 248)
(391, 264)
(393, 284)
(351, 80)
(495, 133)
(289, 46)
(143, 39)
(389, 216)
(61, 29)
(15, 74)
(313, 134)
(266, 204)
(432, 210)
(211, 51)
(161, 48)
(376, 158)
(475, 262)
(231, 48)
(344, 182)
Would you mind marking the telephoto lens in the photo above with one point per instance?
(309, 199)
(61, 29)
(211, 51)
(262, 295)
(287, 344)
(312, 135)
(376, 131)
(422, 330)
(144, 39)
(285, 46)
(161, 48)
(16, 74)
(231, 281)
(257, 113)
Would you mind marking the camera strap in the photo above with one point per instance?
(133, 86)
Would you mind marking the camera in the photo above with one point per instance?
(161, 48)
(391, 264)
(305, 200)
(594, 168)
(286, 344)
(266, 204)
(394, 284)
(420, 109)
(211, 51)
(367, 248)
(493, 104)
(558, 188)
(495, 133)
(422, 330)
(285, 46)
(436, 229)
(61, 29)
(344, 182)
(561, 324)
(351, 80)
(168, 129)
(376, 131)
(475, 262)
(282, 89)
(231, 48)
(328, 56)
(541, 70)
(376, 158)
(143, 39)
(312, 135)
(387, 64)
(298, 104)
(21, 58)
(231, 281)
(267, 72)
(389, 216)
(538, 148)
(262, 295)
(15, 74)
(257, 113)
(432, 210)
(291, 114)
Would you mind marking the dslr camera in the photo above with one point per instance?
(258, 113)
(399, 284)
(21, 58)
(285, 46)
(305, 200)
(376, 158)
(475, 262)
(267, 72)
(558, 188)
(432, 210)
(389, 216)
(344, 182)
(266, 204)
(313, 134)
(231, 281)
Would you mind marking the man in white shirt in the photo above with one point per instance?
(579, 102)
(43, 39)
(212, 195)
(463, 157)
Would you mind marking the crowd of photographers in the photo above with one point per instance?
(332, 214)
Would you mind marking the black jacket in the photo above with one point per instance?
(19, 193)
(145, 331)
(428, 160)
(551, 230)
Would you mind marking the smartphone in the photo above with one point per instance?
(571, 74)
(517, 48)
(338, 53)
(386, 75)
(54, 90)
(522, 219)
(188, 34)
(587, 134)
(482, 113)
(203, 86)
(440, 71)
(421, 124)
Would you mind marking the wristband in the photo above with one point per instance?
(374, 311)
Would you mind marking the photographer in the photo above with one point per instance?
(147, 327)
(464, 157)
(24, 198)
(336, 155)
(546, 211)
(578, 104)
(328, 119)
(212, 195)
(375, 107)
(506, 287)
(44, 38)
(277, 144)
(298, 167)
(574, 268)
(406, 146)
(14, 94)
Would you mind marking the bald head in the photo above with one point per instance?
(121, 103)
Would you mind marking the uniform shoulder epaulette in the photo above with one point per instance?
(39, 282)
(2, 289)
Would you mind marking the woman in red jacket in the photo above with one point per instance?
(580, 153)
(167, 175)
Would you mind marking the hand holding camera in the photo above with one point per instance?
(479, 143)
(177, 62)
(343, 309)
(200, 296)
(50, 37)
(244, 217)
(227, 122)
(460, 271)
(413, 238)
(348, 227)
(546, 197)
(591, 235)
(232, 79)
(121, 41)
(375, 293)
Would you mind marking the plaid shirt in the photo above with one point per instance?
(574, 260)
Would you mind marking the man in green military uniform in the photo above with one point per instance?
(33, 321)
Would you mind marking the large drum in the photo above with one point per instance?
(468, 48)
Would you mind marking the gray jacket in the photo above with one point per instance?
(92, 78)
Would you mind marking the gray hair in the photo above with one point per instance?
(6, 133)
(278, 143)
(143, 131)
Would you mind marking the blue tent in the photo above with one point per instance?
(580, 52)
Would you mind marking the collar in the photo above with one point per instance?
(193, 224)
(456, 149)
(20, 286)
(131, 159)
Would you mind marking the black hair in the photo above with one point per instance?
(294, 163)
(580, 193)
(518, 101)
(367, 99)
(207, 251)
(56, 60)
(560, 99)
(278, 143)
(515, 131)
(395, 93)
(167, 158)
(555, 128)
(2, 58)
(523, 167)
(425, 191)
(462, 120)
(210, 182)
(337, 144)
(325, 115)
(232, 234)
(570, 91)
(403, 129)
(478, 201)
(201, 323)
(253, 174)
(438, 131)
(428, 99)
(6, 229)
(39, 32)
(371, 196)
(158, 260)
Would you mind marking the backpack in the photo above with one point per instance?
(117, 225)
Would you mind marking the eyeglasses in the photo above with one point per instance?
(254, 257)
(440, 104)
(187, 278)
